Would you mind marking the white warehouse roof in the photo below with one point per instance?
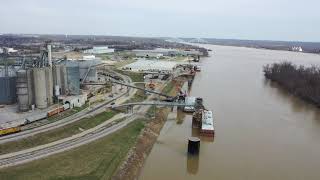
(151, 65)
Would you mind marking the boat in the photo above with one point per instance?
(197, 68)
(207, 127)
(190, 103)
(203, 119)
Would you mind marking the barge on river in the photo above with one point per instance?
(203, 119)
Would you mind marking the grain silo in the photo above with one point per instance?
(30, 86)
(40, 89)
(22, 90)
(59, 73)
(49, 85)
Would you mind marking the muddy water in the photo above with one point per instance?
(262, 132)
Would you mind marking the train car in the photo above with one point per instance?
(9, 130)
(55, 111)
(10, 127)
(35, 118)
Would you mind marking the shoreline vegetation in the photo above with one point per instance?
(133, 164)
(301, 81)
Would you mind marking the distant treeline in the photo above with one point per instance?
(299, 80)
(308, 47)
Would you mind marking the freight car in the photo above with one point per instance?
(10, 127)
(9, 130)
(55, 111)
(58, 110)
(15, 126)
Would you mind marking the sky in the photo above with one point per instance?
(289, 20)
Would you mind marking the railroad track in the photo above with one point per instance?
(26, 156)
(63, 122)
(85, 137)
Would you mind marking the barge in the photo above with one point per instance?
(207, 128)
(203, 119)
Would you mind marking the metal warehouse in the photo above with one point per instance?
(151, 65)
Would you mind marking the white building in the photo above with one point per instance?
(89, 57)
(74, 101)
(99, 50)
(151, 66)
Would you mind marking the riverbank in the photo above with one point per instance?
(131, 167)
(301, 81)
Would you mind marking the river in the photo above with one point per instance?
(262, 132)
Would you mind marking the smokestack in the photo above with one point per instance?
(49, 55)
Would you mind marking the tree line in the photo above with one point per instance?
(299, 80)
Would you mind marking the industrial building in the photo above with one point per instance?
(99, 50)
(74, 101)
(39, 84)
(158, 52)
(151, 65)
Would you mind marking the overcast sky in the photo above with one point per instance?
(240, 19)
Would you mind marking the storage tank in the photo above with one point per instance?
(59, 73)
(22, 90)
(8, 90)
(49, 85)
(40, 90)
(30, 87)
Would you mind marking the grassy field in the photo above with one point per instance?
(94, 161)
(136, 77)
(168, 88)
(139, 96)
(123, 63)
(56, 134)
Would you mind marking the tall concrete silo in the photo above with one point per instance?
(49, 85)
(40, 89)
(22, 90)
(59, 73)
(30, 87)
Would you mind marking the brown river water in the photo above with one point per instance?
(262, 132)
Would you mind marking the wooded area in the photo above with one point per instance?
(299, 80)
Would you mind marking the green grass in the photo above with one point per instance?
(139, 96)
(124, 62)
(168, 88)
(151, 111)
(105, 56)
(56, 134)
(94, 161)
(135, 77)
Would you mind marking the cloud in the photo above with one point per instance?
(252, 19)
